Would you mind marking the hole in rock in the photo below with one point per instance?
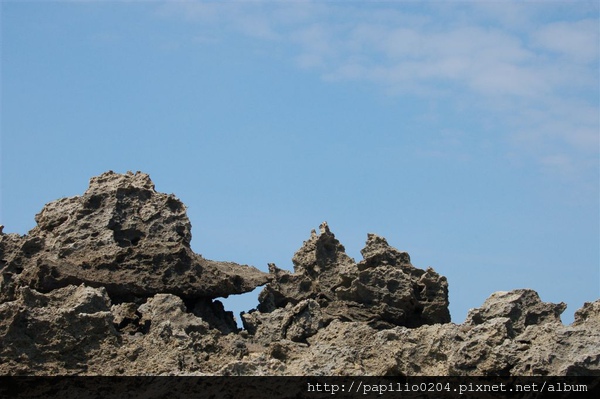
(127, 237)
(241, 303)
(93, 202)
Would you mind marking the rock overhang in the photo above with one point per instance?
(124, 235)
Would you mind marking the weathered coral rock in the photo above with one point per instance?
(515, 333)
(490, 348)
(403, 294)
(384, 289)
(295, 323)
(106, 284)
(121, 235)
(55, 333)
(522, 308)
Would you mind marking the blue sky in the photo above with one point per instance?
(466, 133)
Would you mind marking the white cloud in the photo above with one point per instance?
(317, 44)
(578, 40)
(534, 66)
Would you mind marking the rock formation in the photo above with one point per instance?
(123, 236)
(383, 290)
(106, 283)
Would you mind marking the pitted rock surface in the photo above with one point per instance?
(384, 289)
(121, 235)
(521, 307)
(107, 284)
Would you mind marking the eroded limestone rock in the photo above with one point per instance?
(384, 289)
(121, 235)
(106, 284)
(521, 307)
(55, 333)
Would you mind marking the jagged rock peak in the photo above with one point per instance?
(384, 289)
(588, 313)
(117, 180)
(321, 256)
(377, 251)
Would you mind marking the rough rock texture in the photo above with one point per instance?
(383, 290)
(121, 235)
(55, 333)
(107, 284)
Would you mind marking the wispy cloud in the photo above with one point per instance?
(577, 40)
(534, 66)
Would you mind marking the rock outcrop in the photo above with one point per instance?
(125, 237)
(106, 284)
(383, 290)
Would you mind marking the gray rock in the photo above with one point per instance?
(522, 308)
(384, 289)
(106, 284)
(55, 333)
(294, 323)
(515, 333)
(13, 259)
(167, 314)
(121, 235)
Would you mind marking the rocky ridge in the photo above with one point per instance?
(107, 284)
